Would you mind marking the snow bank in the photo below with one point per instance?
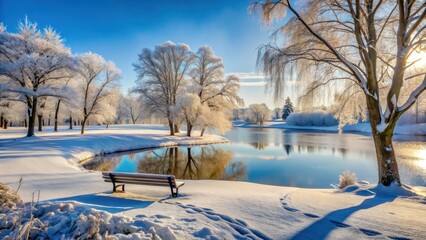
(414, 129)
(363, 188)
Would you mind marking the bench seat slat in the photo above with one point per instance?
(143, 183)
(136, 178)
(148, 175)
(138, 181)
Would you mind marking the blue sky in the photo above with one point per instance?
(118, 30)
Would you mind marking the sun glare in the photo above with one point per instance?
(421, 153)
(421, 162)
(419, 57)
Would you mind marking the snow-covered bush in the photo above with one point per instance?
(8, 199)
(320, 119)
(347, 178)
(68, 220)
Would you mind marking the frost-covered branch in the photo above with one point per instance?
(413, 97)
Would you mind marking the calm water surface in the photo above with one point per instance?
(274, 156)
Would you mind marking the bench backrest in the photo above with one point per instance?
(140, 178)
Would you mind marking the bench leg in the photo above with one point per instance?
(175, 194)
(114, 187)
(171, 188)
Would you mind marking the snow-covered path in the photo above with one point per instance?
(205, 208)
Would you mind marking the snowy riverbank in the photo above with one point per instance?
(206, 208)
(415, 129)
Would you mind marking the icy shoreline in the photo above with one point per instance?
(115, 139)
(361, 128)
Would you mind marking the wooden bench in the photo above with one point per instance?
(120, 179)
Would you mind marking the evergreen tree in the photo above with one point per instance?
(288, 108)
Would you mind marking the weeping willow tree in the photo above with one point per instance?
(366, 47)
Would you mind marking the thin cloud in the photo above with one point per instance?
(249, 75)
(252, 84)
(250, 79)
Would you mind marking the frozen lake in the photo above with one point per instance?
(274, 156)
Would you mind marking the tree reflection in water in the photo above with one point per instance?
(103, 165)
(199, 163)
(259, 145)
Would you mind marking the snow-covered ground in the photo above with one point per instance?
(414, 129)
(206, 209)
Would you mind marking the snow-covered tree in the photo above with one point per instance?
(277, 113)
(215, 119)
(32, 66)
(259, 113)
(71, 111)
(109, 105)
(369, 44)
(215, 90)
(190, 108)
(161, 78)
(68, 82)
(241, 114)
(11, 111)
(288, 108)
(132, 107)
(45, 108)
(97, 85)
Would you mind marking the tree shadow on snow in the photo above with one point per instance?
(109, 204)
(334, 220)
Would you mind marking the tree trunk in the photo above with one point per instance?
(40, 123)
(56, 115)
(169, 166)
(176, 164)
(417, 111)
(176, 128)
(83, 125)
(188, 129)
(132, 117)
(386, 159)
(1, 122)
(48, 122)
(25, 122)
(32, 112)
(172, 132)
(5, 123)
(71, 122)
(202, 131)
